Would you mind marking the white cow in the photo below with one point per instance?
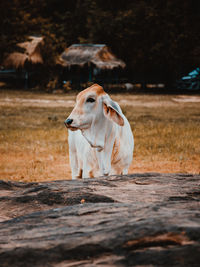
(100, 137)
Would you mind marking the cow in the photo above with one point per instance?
(100, 138)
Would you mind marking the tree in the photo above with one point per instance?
(157, 39)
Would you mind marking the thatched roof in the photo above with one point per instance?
(99, 55)
(32, 53)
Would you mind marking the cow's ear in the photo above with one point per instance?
(112, 111)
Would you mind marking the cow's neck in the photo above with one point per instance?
(102, 137)
(99, 133)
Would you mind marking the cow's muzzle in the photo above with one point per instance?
(68, 122)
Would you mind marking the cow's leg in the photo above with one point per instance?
(74, 157)
(76, 171)
(104, 161)
(86, 169)
(125, 171)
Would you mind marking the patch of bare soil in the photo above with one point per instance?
(144, 103)
(187, 99)
(36, 102)
(27, 99)
(133, 101)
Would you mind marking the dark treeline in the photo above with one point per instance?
(158, 39)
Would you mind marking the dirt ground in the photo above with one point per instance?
(33, 139)
(46, 100)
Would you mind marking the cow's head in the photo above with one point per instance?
(92, 105)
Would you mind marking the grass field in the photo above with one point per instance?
(33, 139)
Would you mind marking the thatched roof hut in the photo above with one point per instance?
(31, 54)
(97, 54)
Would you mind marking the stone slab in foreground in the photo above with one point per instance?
(132, 220)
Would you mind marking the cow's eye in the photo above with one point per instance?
(90, 100)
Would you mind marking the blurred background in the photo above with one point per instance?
(156, 42)
(145, 53)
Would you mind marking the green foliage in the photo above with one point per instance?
(156, 38)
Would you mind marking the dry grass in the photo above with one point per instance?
(33, 139)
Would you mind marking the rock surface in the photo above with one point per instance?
(133, 220)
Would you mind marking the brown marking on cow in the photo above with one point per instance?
(80, 174)
(114, 158)
(81, 97)
(94, 88)
(91, 175)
